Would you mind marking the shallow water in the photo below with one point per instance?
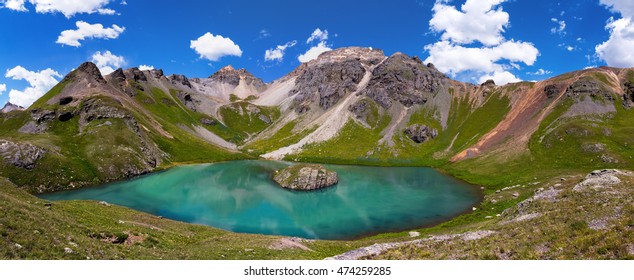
(240, 196)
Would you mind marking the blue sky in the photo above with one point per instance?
(469, 40)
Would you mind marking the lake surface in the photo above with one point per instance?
(241, 196)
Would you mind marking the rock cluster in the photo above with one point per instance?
(405, 80)
(22, 155)
(420, 133)
(305, 177)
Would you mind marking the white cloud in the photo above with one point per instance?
(617, 50)
(144, 67)
(570, 48)
(318, 35)
(314, 52)
(278, 52)
(3, 88)
(625, 8)
(213, 47)
(39, 83)
(560, 29)
(107, 62)
(16, 5)
(451, 58)
(540, 72)
(67, 7)
(478, 20)
(86, 30)
(500, 78)
(472, 42)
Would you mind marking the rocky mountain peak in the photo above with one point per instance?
(9, 107)
(230, 75)
(87, 70)
(365, 55)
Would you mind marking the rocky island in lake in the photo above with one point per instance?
(305, 177)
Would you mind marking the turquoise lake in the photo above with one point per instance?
(240, 196)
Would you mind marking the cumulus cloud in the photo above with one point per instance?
(3, 88)
(39, 83)
(477, 21)
(318, 35)
(472, 41)
(560, 28)
(617, 50)
(144, 67)
(16, 5)
(278, 52)
(451, 58)
(107, 62)
(86, 30)
(67, 7)
(314, 52)
(213, 47)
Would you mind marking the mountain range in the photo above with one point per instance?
(350, 105)
(526, 144)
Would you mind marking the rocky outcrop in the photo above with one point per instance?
(553, 90)
(305, 177)
(628, 96)
(326, 83)
(10, 107)
(364, 110)
(587, 86)
(22, 155)
(94, 109)
(420, 133)
(39, 121)
(135, 74)
(188, 100)
(405, 80)
(180, 80)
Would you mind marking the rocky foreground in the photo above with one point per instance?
(305, 177)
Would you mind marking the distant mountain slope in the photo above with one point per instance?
(350, 105)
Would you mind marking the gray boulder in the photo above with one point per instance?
(305, 177)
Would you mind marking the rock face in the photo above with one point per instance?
(420, 133)
(22, 155)
(305, 177)
(586, 86)
(405, 80)
(327, 82)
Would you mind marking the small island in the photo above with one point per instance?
(305, 177)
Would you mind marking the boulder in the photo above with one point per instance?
(305, 177)
(420, 133)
